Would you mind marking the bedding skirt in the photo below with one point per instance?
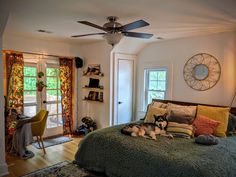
(118, 155)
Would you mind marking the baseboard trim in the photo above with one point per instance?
(3, 169)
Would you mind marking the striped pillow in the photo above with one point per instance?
(180, 130)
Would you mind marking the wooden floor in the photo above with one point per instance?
(54, 154)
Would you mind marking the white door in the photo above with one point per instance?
(51, 99)
(124, 82)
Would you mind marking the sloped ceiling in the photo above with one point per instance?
(168, 19)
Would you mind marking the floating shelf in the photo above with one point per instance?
(93, 100)
(92, 88)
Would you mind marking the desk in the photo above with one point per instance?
(19, 135)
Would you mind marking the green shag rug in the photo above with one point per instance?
(63, 169)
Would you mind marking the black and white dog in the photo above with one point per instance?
(149, 130)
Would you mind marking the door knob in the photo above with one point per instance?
(44, 102)
(119, 102)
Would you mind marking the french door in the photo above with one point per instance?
(49, 98)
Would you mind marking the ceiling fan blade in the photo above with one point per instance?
(138, 35)
(134, 25)
(88, 34)
(92, 25)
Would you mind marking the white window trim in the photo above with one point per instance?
(146, 78)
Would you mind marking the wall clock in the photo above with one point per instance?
(202, 71)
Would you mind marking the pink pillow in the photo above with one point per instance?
(205, 125)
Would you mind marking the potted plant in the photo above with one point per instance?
(40, 84)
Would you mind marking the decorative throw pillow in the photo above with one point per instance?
(180, 130)
(207, 140)
(216, 113)
(184, 110)
(205, 125)
(180, 116)
(149, 118)
(159, 105)
(231, 124)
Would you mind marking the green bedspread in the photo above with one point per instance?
(118, 155)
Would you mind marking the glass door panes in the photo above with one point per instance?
(30, 90)
(53, 97)
(155, 84)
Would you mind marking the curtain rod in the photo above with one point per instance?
(34, 53)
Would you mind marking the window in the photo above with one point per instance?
(30, 91)
(155, 84)
(53, 96)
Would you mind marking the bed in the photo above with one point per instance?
(117, 155)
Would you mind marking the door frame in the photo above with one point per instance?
(114, 88)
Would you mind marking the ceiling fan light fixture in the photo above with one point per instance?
(113, 38)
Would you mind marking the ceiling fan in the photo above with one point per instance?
(114, 31)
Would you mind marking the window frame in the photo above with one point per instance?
(29, 64)
(146, 83)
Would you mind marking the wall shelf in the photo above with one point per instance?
(93, 100)
(92, 88)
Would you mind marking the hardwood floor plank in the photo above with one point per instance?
(54, 154)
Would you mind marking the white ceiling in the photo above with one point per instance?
(168, 18)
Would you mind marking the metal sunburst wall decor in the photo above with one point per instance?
(202, 71)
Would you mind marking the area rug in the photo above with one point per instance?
(53, 141)
(63, 169)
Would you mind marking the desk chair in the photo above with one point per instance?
(38, 124)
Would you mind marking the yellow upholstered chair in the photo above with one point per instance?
(38, 124)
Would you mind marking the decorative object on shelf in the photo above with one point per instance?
(40, 84)
(93, 69)
(94, 83)
(202, 71)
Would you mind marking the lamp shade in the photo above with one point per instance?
(113, 38)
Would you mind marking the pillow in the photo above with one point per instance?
(149, 118)
(159, 105)
(207, 140)
(184, 110)
(180, 130)
(218, 114)
(205, 125)
(178, 116)
(231, 124)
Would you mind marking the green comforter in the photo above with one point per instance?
(118, 155)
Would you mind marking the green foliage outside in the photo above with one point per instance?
(30, 79)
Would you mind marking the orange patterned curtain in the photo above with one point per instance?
(15, 81)
(66, 79)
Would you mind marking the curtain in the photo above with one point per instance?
(15, 81)
(66, 79)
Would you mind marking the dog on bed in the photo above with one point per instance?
(148, 130)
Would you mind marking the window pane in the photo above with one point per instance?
(152, 75)
(52, 108)
(29, 71)
(152, 85)
(161, 75)
(155, 95)
(51, 72)
(161, 85)
(30, 97)
(30, 111)
(51, 83)
(51, 95)
(29, 83)
(59, 108)
(60, 123)
(59, 94)
(52, 121)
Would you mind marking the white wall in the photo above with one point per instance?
(173, 54)
(4, 13)
(96, 53)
